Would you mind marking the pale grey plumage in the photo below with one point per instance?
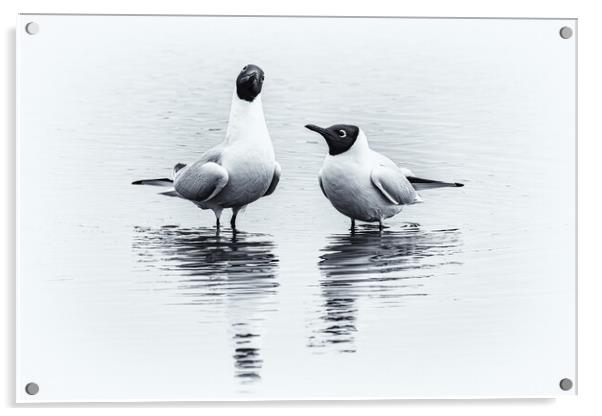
(363, 184)
(201, 181)
(239, 170)
(275, 180)
(393, 185)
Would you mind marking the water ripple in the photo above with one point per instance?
(237, 272)
(382, 267)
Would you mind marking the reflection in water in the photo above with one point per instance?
(237, 271)
(384, 267)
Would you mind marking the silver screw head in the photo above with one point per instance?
(32, 28)
(566, 384)
(32, 389)
(566, 32)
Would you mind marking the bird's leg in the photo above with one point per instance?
(218, 214)
(352, 224)
(233, 219)
(380, 225)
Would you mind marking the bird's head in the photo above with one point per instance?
(249, 82)
(339, 137)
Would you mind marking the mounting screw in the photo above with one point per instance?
(566, 32)
(566, 384)
(32, 389)
(32, 28)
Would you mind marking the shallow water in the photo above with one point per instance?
(295, 304)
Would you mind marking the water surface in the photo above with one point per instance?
(470, 285)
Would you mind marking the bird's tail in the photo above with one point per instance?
(421, 184)
(154, 182)
(166, 182)
(162, 181)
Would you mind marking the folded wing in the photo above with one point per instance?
(393, 185)
(201, 181)
(421, 183)
(275, 180)
(154, 182)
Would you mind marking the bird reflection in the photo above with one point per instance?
(381, 267)
(237, 271)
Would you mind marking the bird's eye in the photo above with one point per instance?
(245, 68)
(342, 133)
(262, 77)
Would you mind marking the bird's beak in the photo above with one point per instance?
(317, 129)
(336, 144)
(327, 134)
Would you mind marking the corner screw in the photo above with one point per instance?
(566, 384)
(32, 28)
(566, 32)
(32, 389)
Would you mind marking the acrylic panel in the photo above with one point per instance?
(130, 292)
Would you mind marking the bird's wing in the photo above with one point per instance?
(321, 184)
(393, 185)
(170, 192)
(421, 184)
(322, 187)
(214, 154)
(154, 182)
(201, 181)
(177, 169)
(407, 172)
(275, 179)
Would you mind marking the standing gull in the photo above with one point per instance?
(239, 170)
(363, 184)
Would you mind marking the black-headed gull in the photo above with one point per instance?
(363, 184)
(239, 170)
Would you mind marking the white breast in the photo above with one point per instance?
(248, 154)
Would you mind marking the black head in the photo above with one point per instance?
(249, 82)
(339, 137)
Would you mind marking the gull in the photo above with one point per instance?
(363, 184)
(239, 170)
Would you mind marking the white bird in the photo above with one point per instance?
(363, 184)
(239, 170)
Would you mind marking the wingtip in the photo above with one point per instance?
(139, 182)
(459, 185)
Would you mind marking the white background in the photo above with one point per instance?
(587, 402)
